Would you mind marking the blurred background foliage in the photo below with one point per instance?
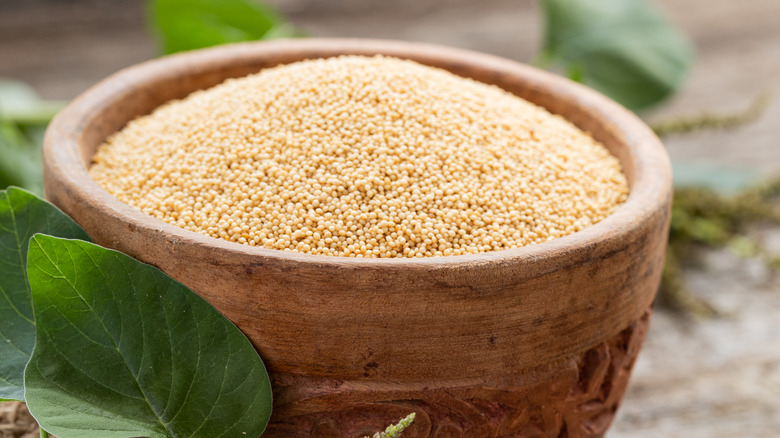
(23, 120)
(626, 49)
(194, 24)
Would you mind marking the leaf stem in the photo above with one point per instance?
(44, 434)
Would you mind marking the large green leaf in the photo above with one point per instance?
(124, 350)
(194, 24)
(623, 48)
(21, 216)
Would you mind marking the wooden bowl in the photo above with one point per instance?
(532, 341)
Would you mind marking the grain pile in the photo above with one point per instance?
(362, 156)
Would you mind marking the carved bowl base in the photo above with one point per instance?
(573, 398)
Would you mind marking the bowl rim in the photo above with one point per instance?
(650, 187)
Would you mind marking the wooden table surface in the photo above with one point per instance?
(696, 378)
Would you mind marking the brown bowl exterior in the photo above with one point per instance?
(532, 341)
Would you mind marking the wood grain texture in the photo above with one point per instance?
(574, 398)
(387, 321)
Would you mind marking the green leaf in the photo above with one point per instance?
(23, 119)
(16, 95)
(124, 350)
(721, 178)
(22, 215)
(194, 24)
(20, 157)
(623, 48)
(19, 103)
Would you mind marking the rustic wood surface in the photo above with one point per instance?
(715, 378)
(16, 421)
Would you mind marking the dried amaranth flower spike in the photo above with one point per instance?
(394, 431)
